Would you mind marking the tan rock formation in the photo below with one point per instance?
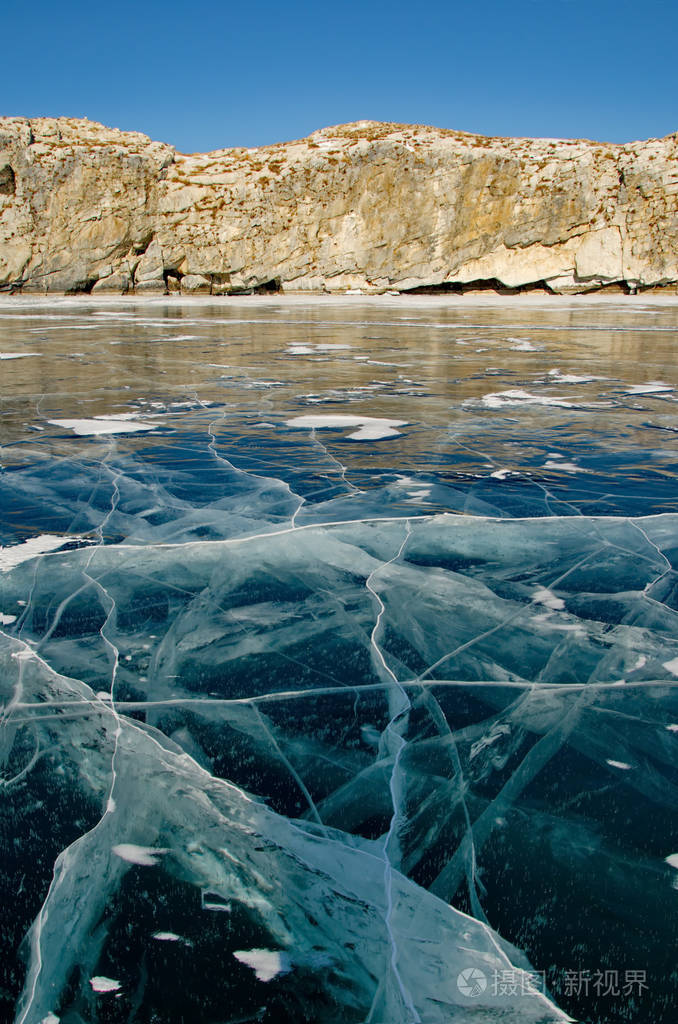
(366, 206)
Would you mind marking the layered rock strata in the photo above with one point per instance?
(365, 206)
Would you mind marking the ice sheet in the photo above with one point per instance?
(296, 728)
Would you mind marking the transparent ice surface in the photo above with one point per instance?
(299, 725)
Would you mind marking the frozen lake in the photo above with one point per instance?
(339, 660)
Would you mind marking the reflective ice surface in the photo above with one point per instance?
(339, 661)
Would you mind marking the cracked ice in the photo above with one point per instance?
(280, 743)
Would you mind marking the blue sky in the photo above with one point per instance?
(204, 76)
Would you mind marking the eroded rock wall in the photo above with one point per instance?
(367, 206)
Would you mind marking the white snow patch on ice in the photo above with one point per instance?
(672, 666)
(145, 855)
(17, 355)
(118, 416)
(516, 396)
(101, 983)
(18, 553)
(266, 963)
(619, 764)
(370, 428)
(546, 597)
(88, 428)
(523, 345)
(166, 937)
(572, 378)
(23, 655)
(672, 860)
(653, 387)
(569, 467)
(6, 620)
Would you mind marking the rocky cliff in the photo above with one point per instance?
(367, 206)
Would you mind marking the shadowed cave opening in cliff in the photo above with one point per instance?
(7, 181)
(272, 287)
(490, 284)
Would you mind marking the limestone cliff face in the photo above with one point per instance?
(367, 206)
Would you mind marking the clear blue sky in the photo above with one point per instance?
(207, 75)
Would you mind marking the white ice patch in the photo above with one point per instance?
(523, 345)
(672, 666)
(6, 620)
(569, 467)
(544, 621)
(89, 428)
(51, 1018)
(145, 855)
(118, 416)
(100, 983)
(370, 427)
(17, 355)
(572, 378)
(642, 661)
(672, 860)
(167, 937)
(300, 350)
(546, 597)
(266, 963)
(516, 396)
(673, 727)
(653, 387)
(619, 764)
(18, 553)
(23, 655)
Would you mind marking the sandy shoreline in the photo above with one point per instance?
(442, 301)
